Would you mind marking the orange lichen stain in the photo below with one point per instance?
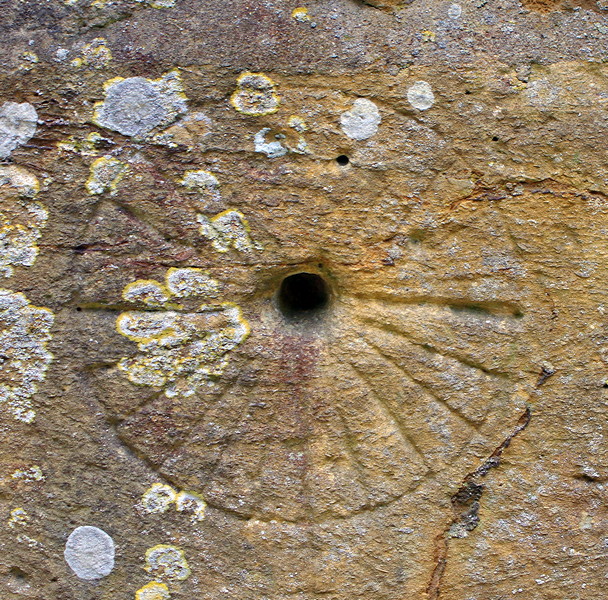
(34, 473)
(21, 219)
(106, 174)
(18, 517)
(193, 503)
(300, 14)
(228, 229)
(160, 498)
(166, 562)
(255, 95)
(153, 591)
(95, 54)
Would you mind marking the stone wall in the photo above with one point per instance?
(303, 301)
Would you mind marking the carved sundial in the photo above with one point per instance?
(333, 363)
(300, 303)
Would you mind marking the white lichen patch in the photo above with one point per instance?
(148, 291)
(166, 562)
(135, 106)
(454, 11)
(203, 182)
(183, 283)
(89, 552)
(159, 3)
(106, 174)
(96, 54)
(361, 121)
(420, 95)
(153, 591)
(191, 503)
(21, 219)
(34, 473)
(84, 147)
(17, 126)
(18, 517)
(228, 229)
(180, 350)
(158, 498)
(24, 358)
(541, 93)
(272, 149)
(255, 95)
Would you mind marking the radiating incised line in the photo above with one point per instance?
(423, 387)
(389, 413)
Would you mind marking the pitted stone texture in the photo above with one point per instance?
(371, 449)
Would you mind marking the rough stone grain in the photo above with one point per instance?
(303, 300)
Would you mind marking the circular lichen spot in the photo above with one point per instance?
(420, 95)
(89, 552)
(255, 95)
(135, 106)
(361, 121)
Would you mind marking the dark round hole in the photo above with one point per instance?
(342, 160)
(303, 295)
(495, 138)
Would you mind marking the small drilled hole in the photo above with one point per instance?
(495, 138)
(302, 295)
(342, 160)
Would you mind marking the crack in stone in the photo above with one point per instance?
(465, 506)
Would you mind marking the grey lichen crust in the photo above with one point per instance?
(89, 552)
(135, 106)
(17, 126)
(362, 120)
(24, 333)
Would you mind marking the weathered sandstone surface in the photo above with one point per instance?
(303, 300)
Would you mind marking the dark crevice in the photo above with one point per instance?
(465, 507)
(546, 372)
